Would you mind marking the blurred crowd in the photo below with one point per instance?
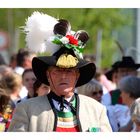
(118, 89)
(17, 83)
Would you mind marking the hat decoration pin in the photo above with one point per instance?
(48, 34)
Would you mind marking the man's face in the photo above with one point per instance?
(62, 81)
(125, 72)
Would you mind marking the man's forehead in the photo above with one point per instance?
(63, 69)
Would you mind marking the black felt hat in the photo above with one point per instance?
(40, 65)
(128, 62)
(110, 72)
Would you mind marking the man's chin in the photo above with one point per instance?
(65, 92)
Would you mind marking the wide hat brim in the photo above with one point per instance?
(40, 65)
(109, 74)
(128, 62)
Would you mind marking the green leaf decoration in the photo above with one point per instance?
(56, 41)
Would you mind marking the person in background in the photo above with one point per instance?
(5, 110)
(130, 91)
(117, 110)
(62, 110)
(125, 67)
(40, 89)
(92, 89)
(5, 70)
(135, 114)
(28, 79)
(13, 61)
(12, 83)
(24, 60)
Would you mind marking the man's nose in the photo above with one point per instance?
(64, 74)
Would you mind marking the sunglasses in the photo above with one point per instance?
(97, 92)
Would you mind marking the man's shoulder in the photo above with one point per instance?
(89, 100)
(35, 101)
(34, 105)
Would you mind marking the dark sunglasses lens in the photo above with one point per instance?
(98, 92)
(101, 92)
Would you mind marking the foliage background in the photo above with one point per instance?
(115, 24)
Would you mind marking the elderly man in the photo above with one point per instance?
(62, 110)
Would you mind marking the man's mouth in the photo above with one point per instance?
(63, 83)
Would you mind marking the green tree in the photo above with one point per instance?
(90, 19)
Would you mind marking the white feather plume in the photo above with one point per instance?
(39, 30)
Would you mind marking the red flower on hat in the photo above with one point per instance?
(72, 40)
